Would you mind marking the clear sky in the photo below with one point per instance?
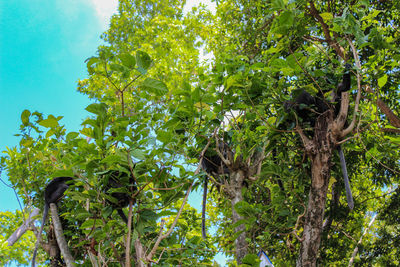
(43, 46)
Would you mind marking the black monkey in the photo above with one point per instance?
(52, 194)
(213, 165)
(308, 107)
(114, 183)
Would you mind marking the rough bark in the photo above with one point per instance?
(52, 248)
(320, 155)
(393, 119)
(69, 260)
(235, 194)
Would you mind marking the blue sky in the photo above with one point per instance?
(43, 46)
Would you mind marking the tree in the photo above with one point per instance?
(320, 35)
(158, 111)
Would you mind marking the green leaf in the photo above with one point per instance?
(97, 108)
(60, 173)
(26, 142)
(90, 61)
(371, 15)
(164, 137)
(278, 4)
(155, 86)
(139, 154)
(50, 122)
(127, 60)
(91, 223)
(117, 67)
(111, 159)
(87, 132)
(244, 208)
(148, 215)
(25, 117)
(326, 16)
(252, 260)
(286, 18)
(71, 135)
(78, 196)
(143, 61)
(50, 133)
(382, 80)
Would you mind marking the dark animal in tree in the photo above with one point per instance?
(119, 187)
(309, 107)
(213, 165)
(52, 194)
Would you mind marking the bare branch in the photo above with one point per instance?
(341, 117)
(69, 260)
(224, 160)
(358, 65)
(393, 119)
(359, 241)
(308, 144)
(23, 228)
(161, 236)
(325, 28)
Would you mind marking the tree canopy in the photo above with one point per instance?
(160, 109)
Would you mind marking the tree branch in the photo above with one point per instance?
(69, 260)
(23, 228)
(341, 117)
(161, 236)
(358, 65)
(325, 28)
(393, 119)
(359, 241)
(128, 236)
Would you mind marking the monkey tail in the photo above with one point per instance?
(39, 235)
(349, 195)
(203, 212)
(122, 215)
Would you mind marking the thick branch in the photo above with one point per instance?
(358, 65)
(62, 244)
(255, 164)
(308, 144)
(393, 119)
(341, 118)
(23, 228)
(314, 12)
(128, 236)
(391, 130)
(140, 254)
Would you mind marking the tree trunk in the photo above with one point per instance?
(235, 193)
(140, 254)
(320, 155)
(315, 211)
(54, 250)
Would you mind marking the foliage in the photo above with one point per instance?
(156, 106)
(18, 253)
